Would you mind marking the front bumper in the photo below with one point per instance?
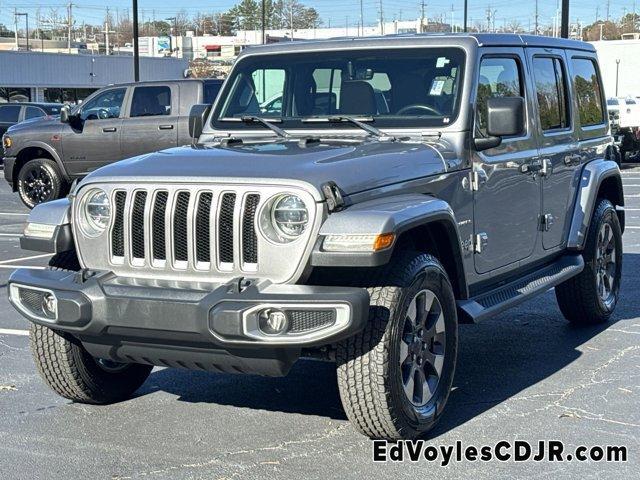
(195, 325)
(8, 163)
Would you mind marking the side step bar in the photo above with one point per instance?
(511, 294)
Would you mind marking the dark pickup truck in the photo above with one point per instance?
(43, 157)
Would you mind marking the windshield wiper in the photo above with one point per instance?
(371, 130)
(255, 119)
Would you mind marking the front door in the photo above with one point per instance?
(152, 123)
(92, 139)
(506, 186)
(558, 146)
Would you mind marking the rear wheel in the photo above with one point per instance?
(71, 371)
(395, 376)
(591, 296)
(40, 180)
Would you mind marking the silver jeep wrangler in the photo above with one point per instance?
(351, 200)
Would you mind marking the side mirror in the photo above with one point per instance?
(64, 114)
(505, 117)
(197, 118)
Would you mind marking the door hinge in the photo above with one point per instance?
(475, 180)
(480, 242)
(546, 221)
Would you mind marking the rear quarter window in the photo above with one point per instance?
(588, 91)
(211, 91)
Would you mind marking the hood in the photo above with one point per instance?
(49, 123)
(353, 166)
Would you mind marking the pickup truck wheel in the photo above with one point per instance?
(591, 296)
(71, 371)
(39, 180)
(395, 376)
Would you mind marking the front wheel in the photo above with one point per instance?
(39, 180)
(591, 296)
(395, 376)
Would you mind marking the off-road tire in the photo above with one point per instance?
(70, 370)
(578, 297)
(369, 363)
(46, 167)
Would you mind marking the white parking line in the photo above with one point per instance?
(635, 195)
(33, 257)
(12, 331)
(632, 227)
(12, 214)
(10, 234)
(22, 266)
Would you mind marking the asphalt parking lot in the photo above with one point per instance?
(525, 375)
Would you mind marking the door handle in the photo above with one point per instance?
(165, 127)
(109, 129)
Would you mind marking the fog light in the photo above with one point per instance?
(49, 304)
(273, 321)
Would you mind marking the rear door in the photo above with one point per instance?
(92, 139)
(152, 122)
(557, 142)
(9, 115)
(507, 195)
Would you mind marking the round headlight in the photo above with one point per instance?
(95, 212)
(289, 216)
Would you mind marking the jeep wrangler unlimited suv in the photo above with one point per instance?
(400, 185)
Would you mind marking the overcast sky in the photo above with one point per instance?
(335, 12)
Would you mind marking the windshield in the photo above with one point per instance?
(392, 88)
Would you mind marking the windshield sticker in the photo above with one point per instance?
(436, 87)
(441, 62)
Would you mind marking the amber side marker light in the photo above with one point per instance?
(383, 241)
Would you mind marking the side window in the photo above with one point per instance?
(33, 112)
(499, 77)
(551, 91)
(105, 105)
(10, 113)
(151, 101)
(588, 94)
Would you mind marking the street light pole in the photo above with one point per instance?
(136, 49)
(466, 9)
(564, 27)
(264, 23)
(617, 71)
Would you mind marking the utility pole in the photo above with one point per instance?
(362, 19)
(608, 9)
(381, 19)
(264, 22)
(15, 26)
(421, 17)
(136, 48)
(564, 21)
(106, 32)
(452, 29)
(291, 18)
(536, 20)
(69, 24)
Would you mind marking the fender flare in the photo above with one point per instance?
(395, 214)
(593, 175)
(56, 215)
(52, 151)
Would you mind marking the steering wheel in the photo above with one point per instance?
(418, 106)
(103, 113)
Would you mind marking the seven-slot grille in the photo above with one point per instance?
(185, 229)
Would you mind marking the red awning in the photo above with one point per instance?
(212, 48)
